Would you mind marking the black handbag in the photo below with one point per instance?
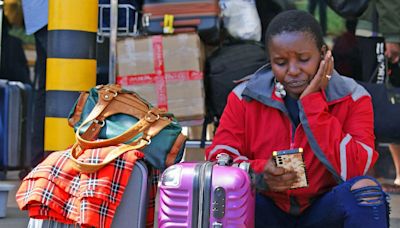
(386, 104)
(348, 9)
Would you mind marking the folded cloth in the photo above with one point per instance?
(154, 178)
(55, 190)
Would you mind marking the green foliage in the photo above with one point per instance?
(336, 24)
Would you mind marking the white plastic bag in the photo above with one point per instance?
(241, 19)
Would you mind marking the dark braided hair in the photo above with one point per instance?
(295, 21)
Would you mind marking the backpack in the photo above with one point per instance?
(230, 62)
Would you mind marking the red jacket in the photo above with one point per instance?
(336, 124)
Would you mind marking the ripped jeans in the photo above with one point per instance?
(341, 207)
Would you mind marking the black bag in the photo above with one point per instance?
(13, 65)
(268, 9)
(128, 15)
(386, 103)
(228, 63)
(348, 9)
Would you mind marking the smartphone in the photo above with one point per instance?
(292, 160)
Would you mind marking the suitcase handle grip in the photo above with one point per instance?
(184, 23)
(184, 30)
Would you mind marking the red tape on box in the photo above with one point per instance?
(159, 77)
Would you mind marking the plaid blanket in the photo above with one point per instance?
(54, 190)
(155, 176)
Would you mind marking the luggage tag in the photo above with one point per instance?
(168, 24)
(292, 160)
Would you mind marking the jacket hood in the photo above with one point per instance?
(260, 87)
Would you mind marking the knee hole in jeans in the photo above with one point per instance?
(367, 193)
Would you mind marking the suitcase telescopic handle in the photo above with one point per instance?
(224, 159)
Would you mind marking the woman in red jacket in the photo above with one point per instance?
(299, 101)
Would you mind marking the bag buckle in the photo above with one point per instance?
(99, 122)
(107, 95)
(151, 116)
(146, 138)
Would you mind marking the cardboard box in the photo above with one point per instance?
(165, 70)
(194, 155)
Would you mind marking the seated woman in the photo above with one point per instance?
(299, 101)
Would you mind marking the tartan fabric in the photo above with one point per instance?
(154, 175)
(54, 190)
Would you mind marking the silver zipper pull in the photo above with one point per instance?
(217, 225)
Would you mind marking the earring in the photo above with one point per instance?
(279, 89)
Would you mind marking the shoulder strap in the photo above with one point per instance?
(91, 167)
(113, 100)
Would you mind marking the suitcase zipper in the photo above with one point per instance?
(196, 196)
(204, 195)
(201, 195)
(207, 193)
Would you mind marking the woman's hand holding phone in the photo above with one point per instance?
(278, 179)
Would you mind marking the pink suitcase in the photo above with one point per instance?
(206, 195)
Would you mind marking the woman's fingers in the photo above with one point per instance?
(328, 69)
(277, 178)
(331, 64)
(281, 183)
(315, 83)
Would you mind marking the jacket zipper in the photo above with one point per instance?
(292, 134)
(293, 129)
(292, 200)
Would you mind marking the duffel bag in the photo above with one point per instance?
(114, 115)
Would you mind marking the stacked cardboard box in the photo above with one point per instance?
(165, 70)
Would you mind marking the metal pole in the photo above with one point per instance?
(112, 72)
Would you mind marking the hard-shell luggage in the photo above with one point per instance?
(16, 124)
(27, 132)
(188, 15)
(133, 207)
(3, 124)
(207, 195)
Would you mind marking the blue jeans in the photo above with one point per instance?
(340, 207)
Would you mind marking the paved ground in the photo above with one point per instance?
(19, 219)
(14, 218)
(384, 169)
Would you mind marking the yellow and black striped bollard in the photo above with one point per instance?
(71, 65)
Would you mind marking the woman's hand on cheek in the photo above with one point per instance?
(321, 78)
(278, 179)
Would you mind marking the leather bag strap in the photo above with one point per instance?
(83, 96)
(133, 131)
(91, 167)
(113, 100)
